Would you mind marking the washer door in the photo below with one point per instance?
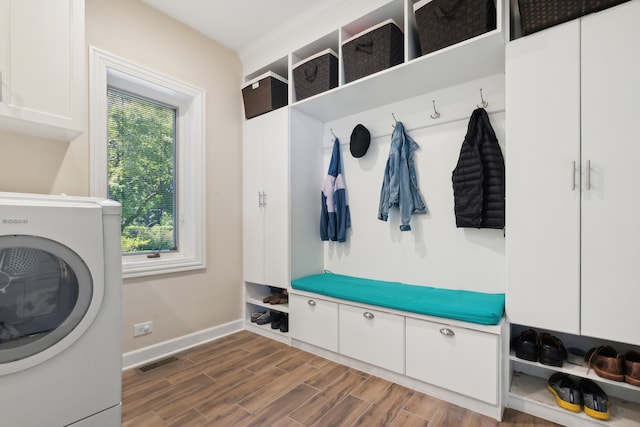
(46, 290)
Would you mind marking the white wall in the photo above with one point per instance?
(434, 252)
(180, 304)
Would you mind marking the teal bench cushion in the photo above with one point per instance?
(469, 306)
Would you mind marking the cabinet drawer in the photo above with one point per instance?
(372, 336)
(454, 358)
(314, 321)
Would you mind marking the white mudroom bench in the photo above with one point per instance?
(443, 342)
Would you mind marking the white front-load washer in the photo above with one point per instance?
(60, 311)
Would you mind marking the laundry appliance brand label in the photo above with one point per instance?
(15, 221)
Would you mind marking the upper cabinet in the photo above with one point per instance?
(571, 225)
(42, 68)
(463, 60)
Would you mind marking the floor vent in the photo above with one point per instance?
(157, 364)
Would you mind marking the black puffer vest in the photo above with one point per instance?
(478, 179)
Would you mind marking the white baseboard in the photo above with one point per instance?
(166, 348)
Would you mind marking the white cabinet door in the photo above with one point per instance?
(252, 211)
(42, 67)
(314, 321)
(276, 198)
(265, 199)
(611, 148)
(372, 336)
(457, 359)
(543, 189)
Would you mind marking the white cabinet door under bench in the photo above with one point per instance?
(372, 336)
(314, 321)
(455, 358)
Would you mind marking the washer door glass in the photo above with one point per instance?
(45, 291)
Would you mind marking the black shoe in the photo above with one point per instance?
(526, 346)
(284, 326)
(595, 401)
(552, 351)
(277, 320)
(565, 391)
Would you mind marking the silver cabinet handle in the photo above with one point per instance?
(368, 315)
(264, 199)
(573, 176)
(588, 173)
(447, 332)
(260, 199)
(311, 302)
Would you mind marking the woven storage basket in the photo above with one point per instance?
(537, 15)
(265, 93)
(373, 50)
(316, 74)
(442, 23)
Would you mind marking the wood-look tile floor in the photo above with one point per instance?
(245, 379)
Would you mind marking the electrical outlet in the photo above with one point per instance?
(143, 328)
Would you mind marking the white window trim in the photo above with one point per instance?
(107, 69)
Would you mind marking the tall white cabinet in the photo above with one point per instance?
(572, 234)
(265, 190)
(42, 82)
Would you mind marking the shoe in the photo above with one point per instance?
(526, 346)
(279, 299)
(276, 299)
(284, 326)
(565, 391)
(606, 362)
(277, 320)
(264, 319)
(595, 401)
(632, 367)
(256, 315)
(552, 351)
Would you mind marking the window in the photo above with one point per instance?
(141, 166)
(147, 143)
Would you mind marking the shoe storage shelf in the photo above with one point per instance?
(254, 296)
(460, 62)
(528, 386)
(422, 352)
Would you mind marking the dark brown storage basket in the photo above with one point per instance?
(373, 50)
(537, 15)
(316, 74)
(442, 23)
(263, 94)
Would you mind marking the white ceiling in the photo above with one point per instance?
(236, 23)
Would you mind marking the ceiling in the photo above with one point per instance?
(236, 24)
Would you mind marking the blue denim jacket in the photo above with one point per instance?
(400, 185)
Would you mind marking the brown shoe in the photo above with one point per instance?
(607, 362)
(632, 365)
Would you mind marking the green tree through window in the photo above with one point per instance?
(141, 170)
